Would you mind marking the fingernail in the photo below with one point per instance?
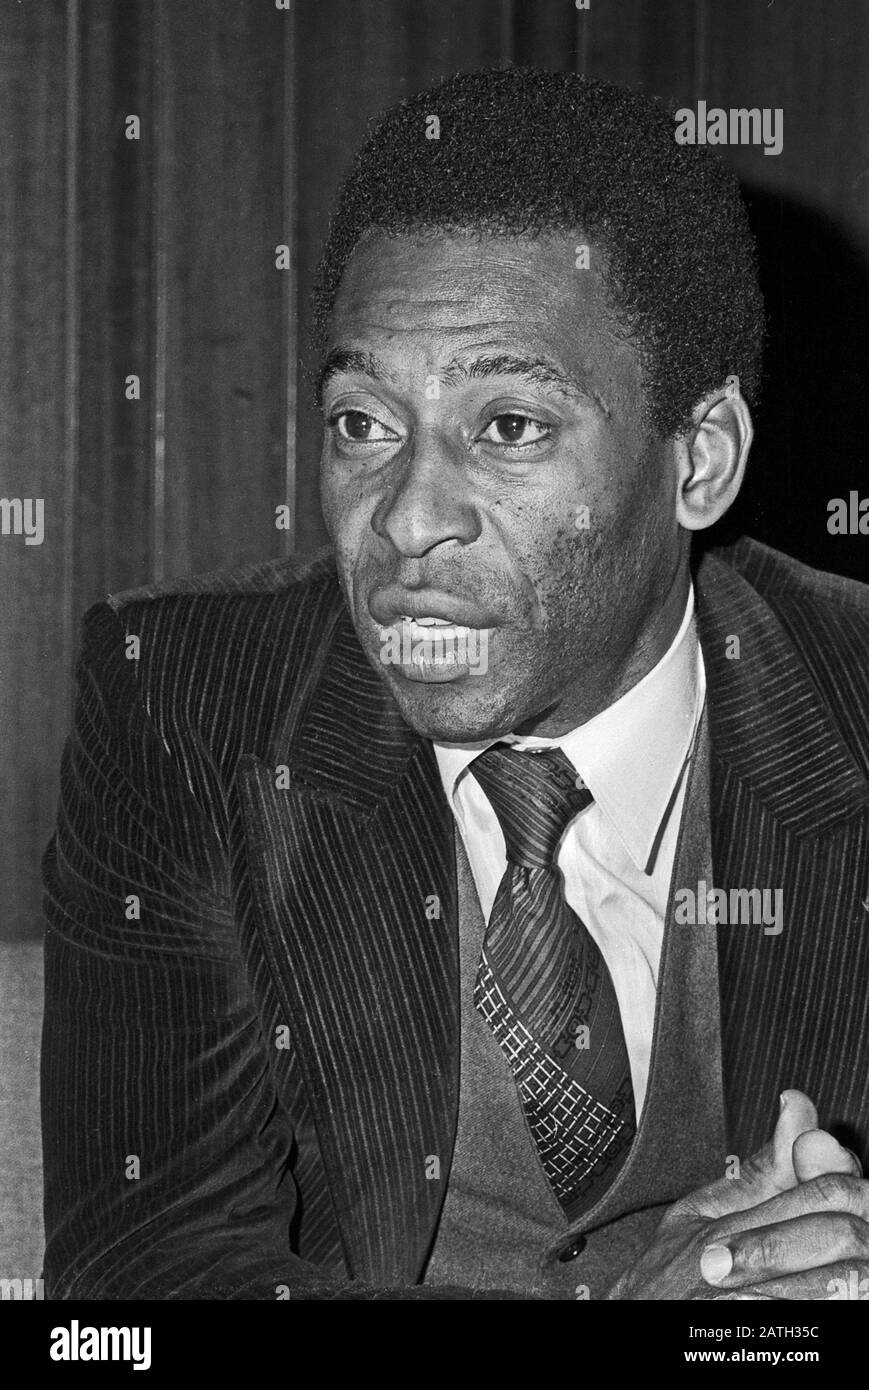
(782, 1101)
(716, 1262)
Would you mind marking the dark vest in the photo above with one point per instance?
(501, 1226)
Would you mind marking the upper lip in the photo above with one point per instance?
(391, 603)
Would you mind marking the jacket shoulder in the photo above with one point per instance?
(242, 614)
(782, 580)
(825, 620)
(263, 577)
(221, 659)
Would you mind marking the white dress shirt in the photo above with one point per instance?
(617, 855)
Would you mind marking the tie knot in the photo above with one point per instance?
(534, 796)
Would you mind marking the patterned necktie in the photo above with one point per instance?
(544, 988)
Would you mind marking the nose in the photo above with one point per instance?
(429, 503)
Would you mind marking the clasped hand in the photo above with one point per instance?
(793, 1225)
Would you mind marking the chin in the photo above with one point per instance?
(453, 712)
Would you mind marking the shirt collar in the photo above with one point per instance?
(631, 755)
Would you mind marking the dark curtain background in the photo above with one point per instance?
(156, 258)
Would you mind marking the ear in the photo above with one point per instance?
(711, 457)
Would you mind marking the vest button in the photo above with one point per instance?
(570, 1252)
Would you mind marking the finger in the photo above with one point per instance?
(832, 1192)
(817, 1152)
(788, 1247)
(829, 1283)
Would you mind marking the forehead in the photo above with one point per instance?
(434, 295)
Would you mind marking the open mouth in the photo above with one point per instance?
(427, 648)
(436, 631)
(431, 634)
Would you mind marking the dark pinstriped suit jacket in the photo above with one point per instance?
(244, 991)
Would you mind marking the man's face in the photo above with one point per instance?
(486, 465)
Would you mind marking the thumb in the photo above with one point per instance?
(775, 1162)
(768, 1172)
(800, 1148)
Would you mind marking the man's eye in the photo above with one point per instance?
(516, 430)
(360, 428)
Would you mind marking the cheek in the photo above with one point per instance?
(586, 556)
(328, 495)
(344, 509)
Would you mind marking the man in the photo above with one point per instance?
(381, 955)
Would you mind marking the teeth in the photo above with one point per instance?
(432, 644)
(438, 632)
(428, 630)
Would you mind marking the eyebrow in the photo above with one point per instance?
(341, 362)
(535, 370)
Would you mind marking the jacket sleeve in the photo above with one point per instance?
(166, 1149)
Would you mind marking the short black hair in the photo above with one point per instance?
(523, 151)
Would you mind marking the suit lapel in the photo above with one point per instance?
(787, 805)
(353, 877)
